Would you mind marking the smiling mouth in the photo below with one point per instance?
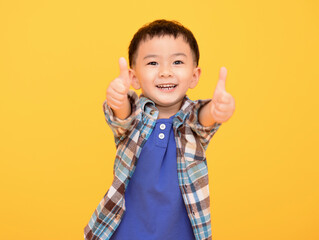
(166, 86)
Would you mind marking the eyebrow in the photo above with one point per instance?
(175, 54)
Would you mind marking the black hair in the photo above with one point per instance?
(159, 28)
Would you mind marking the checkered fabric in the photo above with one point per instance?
(130, 135)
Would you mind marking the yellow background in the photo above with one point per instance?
(56, 61)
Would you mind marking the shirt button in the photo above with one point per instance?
(161, 135)
(162, 126)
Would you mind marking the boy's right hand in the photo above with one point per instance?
(116, 94)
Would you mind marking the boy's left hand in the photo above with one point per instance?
(223, 104)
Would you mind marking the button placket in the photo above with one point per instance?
(162, 134)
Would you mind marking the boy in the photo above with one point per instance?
(161, 137)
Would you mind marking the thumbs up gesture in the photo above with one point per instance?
(223, 104)
(116, 94)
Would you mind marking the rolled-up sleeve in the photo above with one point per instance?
(121, 127)
(204, 133)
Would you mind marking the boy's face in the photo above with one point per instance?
(164, 70)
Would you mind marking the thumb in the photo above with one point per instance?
(222, 79)
(124, 71)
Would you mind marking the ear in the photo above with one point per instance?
(134, 81)
(196, 74)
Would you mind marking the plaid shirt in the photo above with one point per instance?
(130, 135)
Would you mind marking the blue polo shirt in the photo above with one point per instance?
(154, 205)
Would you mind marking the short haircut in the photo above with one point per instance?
(160, 28)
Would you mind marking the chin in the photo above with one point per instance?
(168, 103)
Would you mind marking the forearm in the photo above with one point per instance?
(124, 111)
(205, 116)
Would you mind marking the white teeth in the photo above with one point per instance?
(168, 86)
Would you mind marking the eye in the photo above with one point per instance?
(152, 63)
(178, 62)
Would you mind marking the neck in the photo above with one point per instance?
(168, 111)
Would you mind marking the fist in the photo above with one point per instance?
(116, 93)
(223, 104)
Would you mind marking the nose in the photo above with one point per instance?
(165, 72)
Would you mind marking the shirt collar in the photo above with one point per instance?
(148, 107)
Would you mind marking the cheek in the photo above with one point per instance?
(146, 78)
(149, 73)
(183, 74)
